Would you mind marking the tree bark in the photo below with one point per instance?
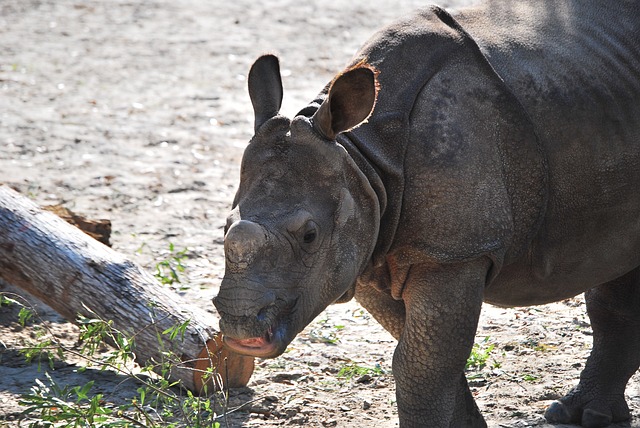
(76, 275)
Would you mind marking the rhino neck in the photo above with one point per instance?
(368, 169)
(384, 172)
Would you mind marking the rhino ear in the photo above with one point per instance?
(265, 89)
(350, 101)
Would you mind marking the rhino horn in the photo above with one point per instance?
(349, 103)
(243, 241)
(265, 89)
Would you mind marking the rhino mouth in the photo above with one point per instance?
(271, 343)
(264, 346)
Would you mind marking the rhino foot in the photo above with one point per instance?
(590, 413)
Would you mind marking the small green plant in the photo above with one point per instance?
(94, 332)
(479, 355)
(527, 377)
(326, 332)
(41, 350)
(24, 316)
(51, 404)
(543, 347)
(168, 270)
(323, 335)
(178, 329)
(6, 301)
(349, 371)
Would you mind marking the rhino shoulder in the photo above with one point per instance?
(474, 178)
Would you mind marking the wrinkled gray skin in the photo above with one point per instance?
(500, 163)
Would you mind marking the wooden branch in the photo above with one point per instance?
(100, 230)
(69, 271)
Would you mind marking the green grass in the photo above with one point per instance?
(479, 355)
(168, 270)
(352, 370)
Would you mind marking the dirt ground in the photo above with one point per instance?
(138, 112)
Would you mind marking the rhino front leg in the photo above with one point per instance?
(466, 412)
(598, 400)
(390, 313)
(443, 304)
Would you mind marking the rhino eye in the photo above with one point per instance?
(306, 234)
(309, 237)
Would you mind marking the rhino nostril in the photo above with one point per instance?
(263, 313)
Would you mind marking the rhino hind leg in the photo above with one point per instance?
(598, 399)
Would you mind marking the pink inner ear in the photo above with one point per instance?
(351, 99)
(353, 96)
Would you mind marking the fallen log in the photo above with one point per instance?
(76, 275)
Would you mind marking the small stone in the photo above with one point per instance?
(478, 382)
(260, 410)
(290, 413)
(366, 405)
(286, 377)
(379, 384)
(366, 378)
(549, 394)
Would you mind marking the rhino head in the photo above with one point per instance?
(305, 218)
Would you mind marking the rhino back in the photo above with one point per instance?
(575, 67)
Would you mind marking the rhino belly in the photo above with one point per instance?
(566, 261)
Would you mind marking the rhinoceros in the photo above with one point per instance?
(493, 157)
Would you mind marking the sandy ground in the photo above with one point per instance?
(138, 112)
